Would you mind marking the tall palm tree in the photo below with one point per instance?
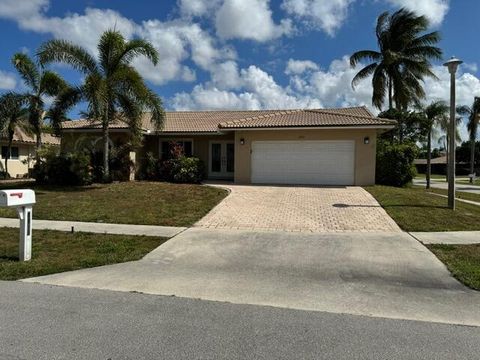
(473, 114)
(435, 112)
(402, 61)
(40, 83)
(112, 88)
(13, 114)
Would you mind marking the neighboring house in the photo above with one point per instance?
(317, 146)
(22, 156)
(438, 165)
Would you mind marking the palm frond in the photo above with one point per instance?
(364, 73)
(27, 69)
(51, 83)
(369, 55)
(65, 101)
(68, 53)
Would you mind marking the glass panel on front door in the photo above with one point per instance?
(216, 163)
(230, 157)
(222, 159)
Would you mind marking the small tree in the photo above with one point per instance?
(473, 114)
(13, 114)
(40, 83)
(432, 114)
(112, 88)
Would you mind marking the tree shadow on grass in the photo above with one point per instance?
(9, 258)
(43, 189)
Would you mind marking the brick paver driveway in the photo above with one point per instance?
(295, 208)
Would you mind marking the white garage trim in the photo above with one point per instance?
(320, 162)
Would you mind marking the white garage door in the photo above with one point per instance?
(303, 162)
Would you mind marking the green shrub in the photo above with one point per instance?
(150, 169)
(120, 163)
(187, 170)
(63, 169)
(395, 164)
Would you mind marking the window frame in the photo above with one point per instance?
(179, 140)
(11, 153)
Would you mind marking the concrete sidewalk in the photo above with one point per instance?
(448, 237)
(474, 189)
(101, 228)
(457, 199)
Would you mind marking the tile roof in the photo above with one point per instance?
(213, 121)
(21, 136)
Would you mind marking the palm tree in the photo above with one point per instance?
(402, 61)
(443, 124)
(13, 114)
(435, 112)
(40, 83)
(473, 114)
(112, 88)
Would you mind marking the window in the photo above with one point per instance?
(13, 154)
(167, 147)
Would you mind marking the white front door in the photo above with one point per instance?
(304, 162)
(222, 159)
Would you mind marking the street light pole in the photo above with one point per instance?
(452, 65)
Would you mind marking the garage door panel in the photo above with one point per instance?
(303, 162)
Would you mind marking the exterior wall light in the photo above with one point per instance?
(242, 141)
(366, 140)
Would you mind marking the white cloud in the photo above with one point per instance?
(250, 88)
(176, 41)
(297, 67)
(434, 10)
(22, 10)
(7, 80)
(320, 14)
(197, 7)
(249, 19)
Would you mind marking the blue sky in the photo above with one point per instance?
(242, 53)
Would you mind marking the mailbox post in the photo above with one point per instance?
(23, 201)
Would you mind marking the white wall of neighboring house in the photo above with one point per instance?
(18, 168)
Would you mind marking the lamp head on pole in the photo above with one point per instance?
(452, 64)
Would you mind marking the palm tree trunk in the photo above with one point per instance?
(9, 152)
(106, 171)
(472, 159)
(390, 94)
(429, 157)
(38, 131)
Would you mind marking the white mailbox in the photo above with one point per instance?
(22, 200)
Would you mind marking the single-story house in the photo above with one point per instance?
(22, 157)
(306, 146)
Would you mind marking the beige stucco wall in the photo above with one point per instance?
(364, 153)
(19, 167)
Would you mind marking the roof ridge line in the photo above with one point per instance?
(276, 113)
(347, 114)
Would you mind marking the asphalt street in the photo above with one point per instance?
(49, 322)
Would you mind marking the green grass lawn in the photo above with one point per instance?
(149, 203)
(414, 209)
(463, 261)
(56, 251)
